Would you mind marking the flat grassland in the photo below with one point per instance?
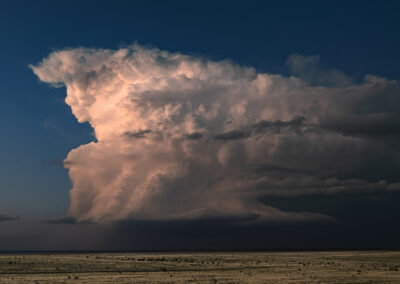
(253, 267)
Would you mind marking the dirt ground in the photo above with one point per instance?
(251, 267)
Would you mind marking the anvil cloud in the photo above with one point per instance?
(181, 137)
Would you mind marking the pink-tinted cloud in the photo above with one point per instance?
(183, 137)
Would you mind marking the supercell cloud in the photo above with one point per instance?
(181, 137)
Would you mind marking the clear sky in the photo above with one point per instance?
(340, 41)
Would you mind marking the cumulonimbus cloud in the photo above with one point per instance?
(185, 137)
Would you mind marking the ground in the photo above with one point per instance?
(253, 267)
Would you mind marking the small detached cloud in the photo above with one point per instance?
(4, 218)
(180, 137)
(61, 220)
(53, 162)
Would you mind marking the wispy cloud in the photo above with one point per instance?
(53, 162)
(61, 220)
(4, 217)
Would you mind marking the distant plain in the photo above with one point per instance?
(221, 267)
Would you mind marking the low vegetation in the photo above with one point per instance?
(268, 267)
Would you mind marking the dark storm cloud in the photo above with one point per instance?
(275, 126)
(379, 126)
(138, 134)
(194, 136)
(205, 234)
(268, 168)
(262, 126)
(352, 229)
(232, 135)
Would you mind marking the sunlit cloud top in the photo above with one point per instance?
(183, 137)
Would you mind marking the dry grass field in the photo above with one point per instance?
(266, 267)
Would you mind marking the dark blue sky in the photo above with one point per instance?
(38, 129)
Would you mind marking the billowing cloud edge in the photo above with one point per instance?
(181, 137)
